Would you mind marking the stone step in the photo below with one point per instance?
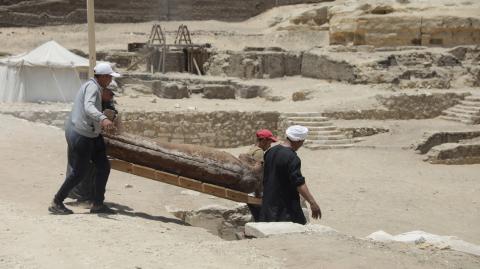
(326, 137)
(473, 98)
(307, 119)
(468, 108)
(317, 146)
(460, 115)
(358, 139)
(463, 111)
(325, 133)
(331, 142)
(455, 119)
(452, 113)
(302, 114)
(322, 128)
(312, 124)
(470, 103)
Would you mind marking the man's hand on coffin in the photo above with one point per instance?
(107, 124)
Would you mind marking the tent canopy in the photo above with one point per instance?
(49, 54)
(48, 73)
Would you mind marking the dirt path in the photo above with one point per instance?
(376, 190)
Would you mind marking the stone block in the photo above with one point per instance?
(300, 96)
(293, 64)
(273, 65)
(171, 90)
(321, 64)
(216, 91)
(28, 115)
(268, 229)
(250, 91)
(195, 89)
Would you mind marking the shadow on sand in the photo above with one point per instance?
(128, 211)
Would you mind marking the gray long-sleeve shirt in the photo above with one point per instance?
(86, 113)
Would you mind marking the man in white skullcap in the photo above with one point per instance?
(283, 182)
(85, 144)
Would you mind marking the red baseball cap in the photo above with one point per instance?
(264, 133)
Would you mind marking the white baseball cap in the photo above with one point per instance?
(105, 69)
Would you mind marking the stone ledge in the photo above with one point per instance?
(268, 229)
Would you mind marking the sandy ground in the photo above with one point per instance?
(222, 35)
(380, 184)
(360, 190)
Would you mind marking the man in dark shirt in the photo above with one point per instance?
(283, 182)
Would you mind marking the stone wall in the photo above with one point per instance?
(395, 24)
(404, 67)
(53, 118)
(220, 129)
(433, 140)
(452, 153)
(44, 12)
(154, 83)
(404, 106)
(320, 64)
(255, 63)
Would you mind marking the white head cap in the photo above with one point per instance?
(105, 69)
(297, 133)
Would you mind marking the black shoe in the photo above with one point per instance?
(59, 209)
(102, 209)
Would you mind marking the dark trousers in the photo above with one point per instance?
(82, 150)
(85, 190)
(255, 211)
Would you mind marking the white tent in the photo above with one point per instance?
(48, 73)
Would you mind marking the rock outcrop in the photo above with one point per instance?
(394, 23)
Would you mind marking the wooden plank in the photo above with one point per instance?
(164, 58)
(121, 166)
(254, 200)
(196, 65)
(237, 196)
(214, 190)
(191, 184)
(183, 182)
(143, 171)
(141, 59)
(167, 178)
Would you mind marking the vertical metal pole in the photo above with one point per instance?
(92, 53)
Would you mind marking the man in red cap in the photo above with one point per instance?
(265, 138)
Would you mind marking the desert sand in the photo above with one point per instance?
(379, 184)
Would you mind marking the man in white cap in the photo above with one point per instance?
(85, 190)
(85, 143)
(283, 182)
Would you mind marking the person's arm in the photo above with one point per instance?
(297, 178)
(92, 111)
(305, 193)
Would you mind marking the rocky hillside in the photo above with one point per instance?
(55, 12)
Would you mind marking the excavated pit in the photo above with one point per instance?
(178, 87)
(227, 223)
